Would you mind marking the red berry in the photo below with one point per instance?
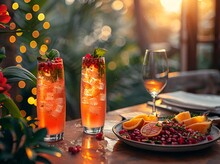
(75, 149)
(209, 138)
(88, 56)
(99, 136)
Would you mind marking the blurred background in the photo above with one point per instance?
(187, 29)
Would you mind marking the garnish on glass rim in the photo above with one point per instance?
(51, 55)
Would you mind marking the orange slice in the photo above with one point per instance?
(133, 124)
(202, 127)
(147, 118)
(151, 129)
(194, 120)
(182, 116)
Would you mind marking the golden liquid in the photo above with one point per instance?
(154, 87)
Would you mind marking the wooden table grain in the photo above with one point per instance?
(111, 150)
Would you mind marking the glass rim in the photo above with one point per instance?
(156, 50)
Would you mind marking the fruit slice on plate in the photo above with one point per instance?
(195, 119)
(182, 116)
(202, 127)
(151, 129)
(147, 118)
(135, 123)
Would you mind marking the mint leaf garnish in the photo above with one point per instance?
(51, 55)
(99, 52)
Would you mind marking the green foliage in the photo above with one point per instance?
(16, 74)
(19, 143)
(99, 52)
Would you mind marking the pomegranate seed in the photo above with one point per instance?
(209, 138)
(99, 136)
(74, 149)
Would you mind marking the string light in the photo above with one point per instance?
(12, 39)
(46, 25)
(18, 59)
(27, 1)
(31, 100)
(19, 98)
(41, 17)
(28, 16)
(15, 6)
(23, 49)
(33, 44)
(35, 34)
(21, 84)
(36, 8)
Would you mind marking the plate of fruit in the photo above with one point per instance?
(182, 132)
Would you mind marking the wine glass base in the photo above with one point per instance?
(92, 130)
(54, 137)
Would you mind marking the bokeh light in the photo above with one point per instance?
(35, 34)
(171, 5)
(12, 39)
(28, 16)
(46, 25)
(31, 100)
(69, 2)
(41, 17)
(23, 113)
(27, 1)
(18, 59)
(33, 44)
(23, 49)
(112, 65)
(19, 32)
(34, 91)
(117, 5)
(43, 48)
(15, 6)
(36, 8)
(47, 40)
(21, 84)
(12, 26)
(19, 98)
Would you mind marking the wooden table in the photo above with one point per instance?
(111, 150)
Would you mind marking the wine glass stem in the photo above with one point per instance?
(154, 112)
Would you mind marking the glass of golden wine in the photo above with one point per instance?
(155, 73)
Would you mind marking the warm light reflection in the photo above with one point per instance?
(171, 5)
(27, 1)
(19, 32)
(28, 16)
(33, 44)
(41, 17)
(117, 5)
(34, 91)
(112, 65)
(35, 34)
(46, 25)
(19, 98)
(23, 49)
(23, 113)
(47, 40)
(18, 59)
(21, 84)
(36, 7)
(12, 39)
(69, 2)
(44, 48)
(12, 26)
(31, 100)
(15, 6)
